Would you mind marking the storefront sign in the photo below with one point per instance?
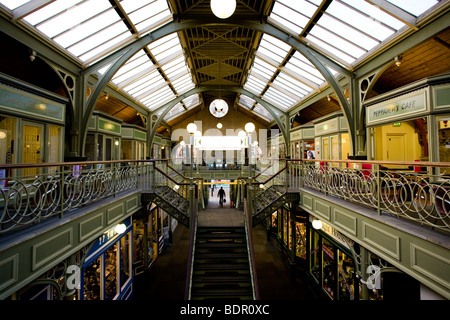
(398, 108)
(23, 102)
(108, 126)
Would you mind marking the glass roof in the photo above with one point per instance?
(345, 30)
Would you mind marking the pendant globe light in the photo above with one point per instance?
(223, 8)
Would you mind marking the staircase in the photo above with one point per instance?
(267, 202)
(221, 267)
(170, 201)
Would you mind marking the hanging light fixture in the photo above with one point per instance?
(223, 8)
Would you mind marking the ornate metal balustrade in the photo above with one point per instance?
(55, 189)
(418, 192)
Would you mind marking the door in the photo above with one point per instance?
(32, 146)
(395, 148)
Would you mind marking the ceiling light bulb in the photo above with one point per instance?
(191, 127)
(120, 228)
(223, 8)
(317, 224)
(219, 125)
(249, 127)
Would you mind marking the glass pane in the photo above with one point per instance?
(415, 7)
(315, 254)
(92, 281)
(346, 277)
(329, 268)
(111, 272)
(125, 273)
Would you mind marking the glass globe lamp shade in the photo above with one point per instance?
(317, 224)
(249, 127)
(223, 8)
(191, 127)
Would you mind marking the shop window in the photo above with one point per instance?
(125, 273)
(7, 131)
(301, 239)
(111, 272)
(89, 147)
(346, 277)
(315, 259)
(92, 274)
(328, 273)
(443, 125)
(127, 150)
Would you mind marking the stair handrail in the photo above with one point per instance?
(250, 251)
(193, 238)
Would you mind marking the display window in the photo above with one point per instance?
(443, 127)
(106, 272)
(332, 267)
(300, 248)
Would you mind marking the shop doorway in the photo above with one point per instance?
(395, 147)
(32, 146)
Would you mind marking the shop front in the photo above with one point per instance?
(103, 140)
(331, 263)
(150, 236)
(134, 142)
(332, 140)
(281, 223)
(106, 273)
(401, 124)
(31, 126)
(302, 142)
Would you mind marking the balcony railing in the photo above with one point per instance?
(416, 191)
(30, 193)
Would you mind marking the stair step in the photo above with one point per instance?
(221, 266)
(221, 278)
(221, 255)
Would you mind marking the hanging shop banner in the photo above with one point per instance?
(398, 108)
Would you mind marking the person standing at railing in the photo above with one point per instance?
(221, 194)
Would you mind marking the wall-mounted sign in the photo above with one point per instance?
(18, 101)
(398, 108)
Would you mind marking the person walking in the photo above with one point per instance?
(221, 194)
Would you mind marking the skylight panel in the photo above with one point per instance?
(72, 17)
(263, 69)
(96, 24)
(151, 80)
(246, 101)
(183, 84)
(350, 34)
(278, 99)
(14, 4)
(262, 112)
(364, 17)
(50, 10)
(292, 85)
(374, 15)
(192, 101)
(332, 50)
(303, 67)
(415, 7)
(144, 13)
(274, 48)
(254, 85)
(158, 98)
(165, 46)
(100, 41)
